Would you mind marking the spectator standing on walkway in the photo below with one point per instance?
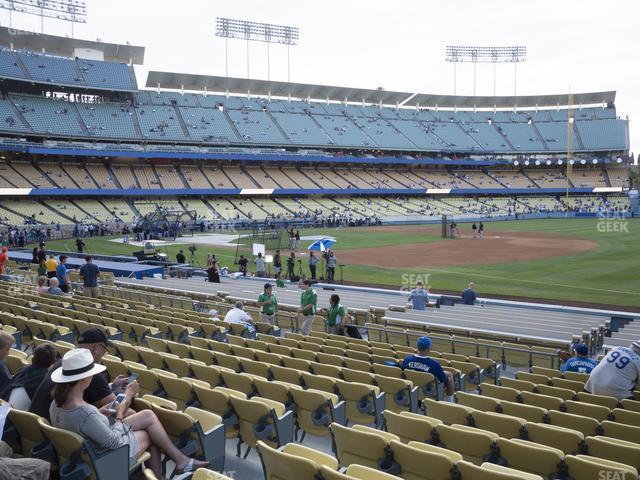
(51, 265)
(291, 265)
(261, 270)
(313, 261)
(331, 266)
(469, 295)
(89, 274)
(308, 305)
(62, 275)
(419, 297)
(268, 304)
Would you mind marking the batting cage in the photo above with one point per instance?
(167, 224)
(272, 237)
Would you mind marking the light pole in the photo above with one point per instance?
(257, 32)
(473, 54)
(73, 11)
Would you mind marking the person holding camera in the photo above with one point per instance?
(291, 265)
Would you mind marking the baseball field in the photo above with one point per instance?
(577, 261)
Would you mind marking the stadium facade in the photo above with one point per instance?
(82, 143)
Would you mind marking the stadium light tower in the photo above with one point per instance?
(495, 55)
(73, 11)
(257, 32)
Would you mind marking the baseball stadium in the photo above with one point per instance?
(221, 276)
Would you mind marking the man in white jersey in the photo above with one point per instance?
(618, 374)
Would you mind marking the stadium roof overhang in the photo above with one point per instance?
(65, 46)
(243, 86)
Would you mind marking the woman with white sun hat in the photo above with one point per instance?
(141, 431)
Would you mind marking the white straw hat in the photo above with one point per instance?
(76, 365)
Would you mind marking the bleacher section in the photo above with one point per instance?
(159, 122)
(49, 117)
(254, 121)
(344, 207)
(65, 71)
(514, 413)
(108, 119)
(183, 177)
(208, 123)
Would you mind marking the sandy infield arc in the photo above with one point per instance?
(496, 247)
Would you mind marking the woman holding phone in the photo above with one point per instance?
(142, 431)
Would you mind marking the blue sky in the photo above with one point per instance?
(579, 45)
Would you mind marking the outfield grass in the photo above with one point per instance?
(608, 275)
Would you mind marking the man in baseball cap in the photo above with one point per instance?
(617, 374)
(422, 362)
(581, 363)
(99, 392)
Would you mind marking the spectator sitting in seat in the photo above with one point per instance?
(238, 315)
(24, 384)
(422, 362)
(42, 285)
(618, 373)
(54, 289)
(99, 393)
(6, 340)
(142, 430)
(581, 362)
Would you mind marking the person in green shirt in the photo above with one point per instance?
(268, 304)
(279, 280)
(336, 316)
(307, 310)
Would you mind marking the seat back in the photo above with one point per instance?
(585, 425)
(256, 419)
(363, 403)
(478, 402)
(421, 464)
(473, 444)
(530, 457)
(449, 413)
(358, 447)
(506, 426)
(279, 465)
(587, 467)
(613, 449)
(530, 413)
(69, 448)
(410, 427)
(565, 439)
(315, 410)
(482, 472)
(28, 429)
(498, 392)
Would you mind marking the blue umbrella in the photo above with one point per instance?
(322, 245)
